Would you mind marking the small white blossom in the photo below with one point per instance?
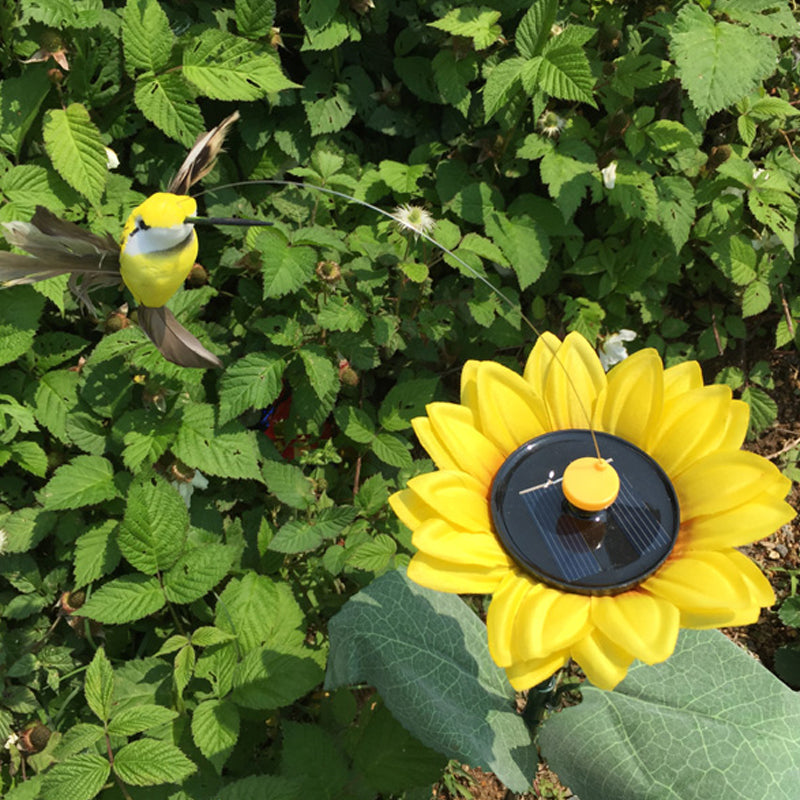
(612, 349)
(550, 124)
(3, 541)
(758, 171)
(112, 160)
(11, 741)
(609, 174)
(414, 218)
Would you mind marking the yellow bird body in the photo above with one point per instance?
(158, 247)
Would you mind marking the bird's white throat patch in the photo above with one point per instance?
(157, 239)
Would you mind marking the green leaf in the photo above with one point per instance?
(96, 552)
(208, 635)
(78, 738)
(20, 101)
(773, 17)
(501, 85)
(85, 481)
(763, 409)
(146, 36)
(125, 599)
(391, 450)
(154, 528)
(149, 762)
(168, 102)
(777, 210)
(184, 667)
(338, 314)
(787, 664)
(305, 745)
(296, 536)
(455, 700)
(534, 28)
(733, 729)
(718, 62)
(78, 778)
(262, 787)
(136, 719)
(323, 374)
(676, 208)
(56, 396)
(254, 18)
(288, 483)
(215, 730)
(756, 298)
(229, 451)
(268, 678)
(227, 67)
(285, 268)
(524, 243)
(197, 572)
(30, 456)
(568, 174)
(20, 309)
(735, 258)
(790, 611)
(565, 73)
(373, 556)
(251, 382)
(74, 145)
(474, 23)
(99, 685)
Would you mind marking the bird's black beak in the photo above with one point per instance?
(242, 223)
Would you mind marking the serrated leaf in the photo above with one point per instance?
(773, 17)
(229, 451)
(146, 435)
(125, 599)
(208, 635)
(534, 28)
(20, 100)
(338, 314)
(355, 424)
(56, 396)
(30, 456)
(154, 528)
(168, 102)
(185, 662)
(718, 63)
(268, 678)
(777, 210)
(131, 721)
(288, 483)
(84, 481)
(568, 175)
(96, 553)
(501, 85)
(524, 243)
(149, 762)
(676, 208)
(20, 309)
(763, 409)
(391, 450)
(740, 735)
(304, 744)
(790, 611)
(373, 556)
(285, 268)
(79, 737)
(226, 67)
(74, 145)
(296, 536)
(197, 572)
(78, 778)
(99, 685)
(455, 700)
(251, 382)
(215, 730)
(146, 36)
(565, 73)
(756, 298)
(254, 18)
(322, 373)
(475, 23)
(735, 258)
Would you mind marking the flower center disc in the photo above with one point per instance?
(587, 552)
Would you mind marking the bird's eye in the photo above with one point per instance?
(141, 224)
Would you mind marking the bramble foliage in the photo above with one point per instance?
(606, 165)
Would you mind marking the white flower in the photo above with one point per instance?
(12, 740)
(414, 218)
(612, 349)
(3, 541)
(609, 174)
(758, 171)
(112, 160)
(550, 124)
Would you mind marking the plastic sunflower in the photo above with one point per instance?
(599, 559)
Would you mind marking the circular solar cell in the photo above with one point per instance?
(586, 552)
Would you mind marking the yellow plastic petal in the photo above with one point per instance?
(573, 382)
(691, 426)
(470, 449)
(523, 675)
(548, 620)
(604, 662)
(469, 388)
(502, 614)
(437, 539)
(434, 446)
(544, 352)
(411, 511)
(707, 587)
(510, 412)
(725, 480)
(631, 405)
(444, 576)
(456, 497)
(757, 518)
(642, 624)
(736, 428)
(682, 378)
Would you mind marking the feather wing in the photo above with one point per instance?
(174, 342)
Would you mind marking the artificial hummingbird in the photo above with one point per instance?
(153, 257)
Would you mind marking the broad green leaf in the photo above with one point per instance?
(78, 778)
(96, 552)
(99, 685)
(20, 100)
(24, 187)
(146, 36)
(454, 700)
(676, 207)
(149, 762)
(733, 730)
(790, 611)
(756, 298)
(288, 483)
(535, 27)
(125, 599)
(373, 556)
(20, 309)
(355, 424)
(254, 18)
(338, 314)
(296, 536)
(30, 456)
(391, 450)
(78, 738)
(84, 481)
(285, 268)
(251, 382)
(198, 572)
(184, 668)
(56, 396)
(168, 102)
(322, 373)
(475, 23)
(215, 730)
(208, 635)
(524, 243)
(565, 73)
(736, 259)
(226, 67)
(154, 528)
(777, 210)
(470, 199)
(131, 721)
(25, 528)
(773, 17)
(401, 178)
(229, 451)
(718, 62)
(568, 175)
(74, 145)
(146, 435)
(501, 85)
(263, 787)
(269, 678)
(763, 409)
(305, 745)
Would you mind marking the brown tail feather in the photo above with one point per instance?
(174, 342)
